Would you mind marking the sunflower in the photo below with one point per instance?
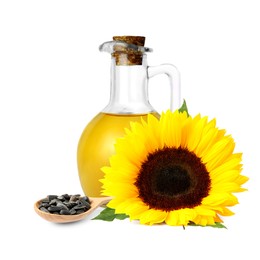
(176, 169)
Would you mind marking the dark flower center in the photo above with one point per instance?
(173, 178)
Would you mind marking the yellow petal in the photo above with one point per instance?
(204, 211)
(220, 199)
(225, 212)
(207, 138)
(158, 216)
(234, 163)
(172, 218)
(152, 138)
(127, 204)
(115, 202)
(153, 216)
(227, 187)
(228, 176)
(218, 153)
(241, 179)
(186, 215)
(218, 219)
(136, 210)
(172, 130)
(204, 220)
(180, 217)
(186, 127)
(124, 190)
(196, 133)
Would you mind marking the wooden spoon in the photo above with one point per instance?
(94, 202)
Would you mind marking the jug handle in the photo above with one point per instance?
(174, 79)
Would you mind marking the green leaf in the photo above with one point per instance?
(109, 214)
(184, 107)
(217, 225)
(121, 216)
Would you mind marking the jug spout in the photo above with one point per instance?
(127, 50)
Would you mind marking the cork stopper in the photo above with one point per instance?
(128, 56)
(137, 40)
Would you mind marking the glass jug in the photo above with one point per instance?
(128, 102)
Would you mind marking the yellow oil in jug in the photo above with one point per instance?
(96, 145)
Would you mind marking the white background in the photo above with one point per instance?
(53, 80)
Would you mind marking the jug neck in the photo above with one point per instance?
(128, 88)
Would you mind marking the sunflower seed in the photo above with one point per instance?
(62, 206)
(74, 197)
(54, 208)
(44, 209)
(80, 211)
(61, 198)
(51, 197)
(73, 212)
(65, 212)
